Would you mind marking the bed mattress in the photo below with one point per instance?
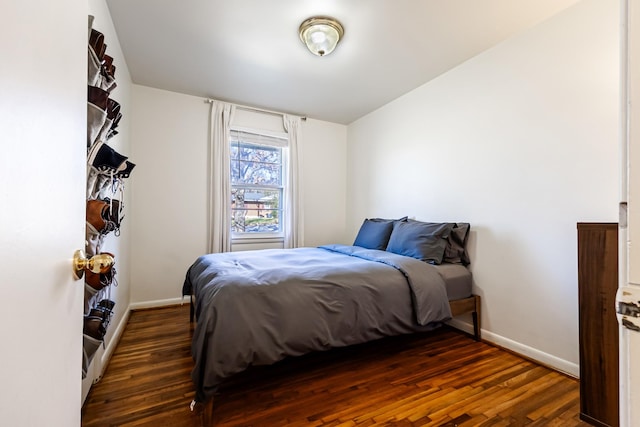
(457, 279)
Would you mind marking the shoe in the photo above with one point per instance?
(115, 212)
(114, 125)
(101, 217)
(98, 97)
(107, 66)
(92, 279)
(102, 313)
(110, 122)
(126, 172)
(99, 75)
(107, 303)
(94, 327)
(96, 41)
(107, 82)
(99, 281)
(106, 311)
(96, 214)
(104, 158)
(113, 109)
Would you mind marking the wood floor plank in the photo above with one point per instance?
(440, 378)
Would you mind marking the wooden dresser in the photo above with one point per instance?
(597, 285)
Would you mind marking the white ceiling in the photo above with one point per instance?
(249, 52)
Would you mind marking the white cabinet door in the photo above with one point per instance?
(633, 82)
(42, 209)
(630, 271)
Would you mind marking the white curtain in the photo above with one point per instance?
(219, 177)
(293, 218)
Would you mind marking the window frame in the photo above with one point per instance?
(273, 139)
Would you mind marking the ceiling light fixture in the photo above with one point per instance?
(321, 34)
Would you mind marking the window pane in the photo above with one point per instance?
(258, 153)
(255, 152)
(255, 210)
(254, 173)
(255, 164)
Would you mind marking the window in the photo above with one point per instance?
(258, 166)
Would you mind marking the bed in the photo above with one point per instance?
(258, 307)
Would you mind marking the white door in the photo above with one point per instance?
(42, 174)
(630, 248)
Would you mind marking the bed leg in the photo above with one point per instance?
(476, 318)
(202, 413)
(207, 417)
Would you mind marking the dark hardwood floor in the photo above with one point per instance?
(442, 378)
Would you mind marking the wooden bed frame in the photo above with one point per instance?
(204, 410)
(468, 305)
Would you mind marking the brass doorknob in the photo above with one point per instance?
(99, 263)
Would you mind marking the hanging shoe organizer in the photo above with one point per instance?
(106, 171)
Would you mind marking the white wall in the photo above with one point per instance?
(522, 142)
(118, 246)
(324, 172)
(169, 203)
(169, 223)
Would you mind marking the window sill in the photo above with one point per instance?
(260, 238)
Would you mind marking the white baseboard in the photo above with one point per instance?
(158, 303)
(561, 365)
(463, 326)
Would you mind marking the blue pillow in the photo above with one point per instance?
(374, 233)
(425, 241)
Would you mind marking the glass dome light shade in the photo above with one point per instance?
(321, 34)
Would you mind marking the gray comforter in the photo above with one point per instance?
(257, 307)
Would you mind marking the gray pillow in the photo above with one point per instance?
(425, 241)
(374, 233)
(456, 251)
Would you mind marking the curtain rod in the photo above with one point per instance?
(261, 110)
